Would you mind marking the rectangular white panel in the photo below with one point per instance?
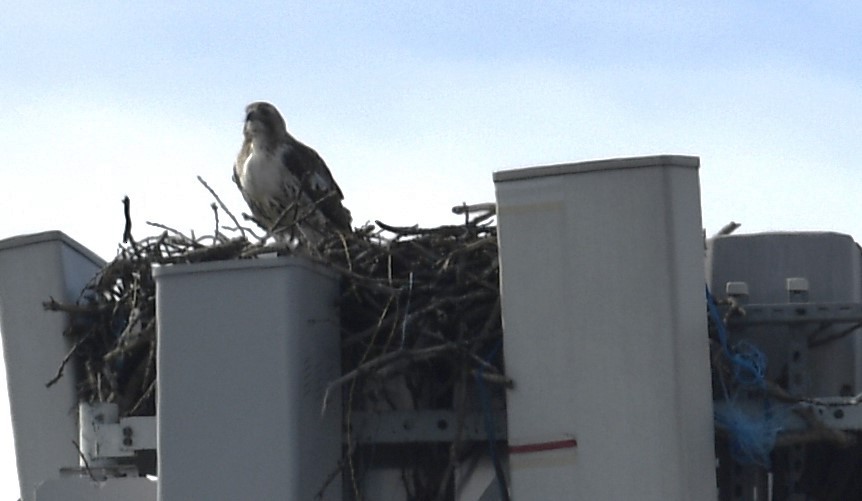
(605, 331)
(245, 351)
(34, 268)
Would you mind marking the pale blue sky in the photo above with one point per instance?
(414, 105)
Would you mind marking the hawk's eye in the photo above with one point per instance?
(251, 115)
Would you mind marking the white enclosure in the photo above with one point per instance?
(34, 268)
(245, 351)
(605, 331)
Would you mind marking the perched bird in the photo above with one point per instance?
(286, 184)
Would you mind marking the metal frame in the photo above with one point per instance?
(837, 413)
(401, 427)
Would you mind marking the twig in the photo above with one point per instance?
(334, 473)
(223, 207)
(146, 395)
(382, 360)
(172, 230)
(495, 378)
(216, 235)
(817, 432)
(728, 228)
(65, 361)
(86, 463)
(349, 412)
(127, 231)
(820, 341)
(52, 305)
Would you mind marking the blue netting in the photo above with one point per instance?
(753, 431)
(749, 364)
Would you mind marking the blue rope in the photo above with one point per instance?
(752, 435)
(488, 415)
(748, 362)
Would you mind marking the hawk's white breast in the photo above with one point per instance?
(263, 176)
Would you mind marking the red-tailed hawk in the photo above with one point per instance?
(287, 186)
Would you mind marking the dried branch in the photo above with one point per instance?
(382, 361)
(86, 463)
(728, 228)
(223, 207)
(63, 363)
(127, 232)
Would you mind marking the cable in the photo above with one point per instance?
(485, 399)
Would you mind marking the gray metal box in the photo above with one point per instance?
(832, 263)
(245, 351)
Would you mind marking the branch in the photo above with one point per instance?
(223, 207)
(383, 360)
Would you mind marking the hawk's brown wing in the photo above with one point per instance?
(318, 184)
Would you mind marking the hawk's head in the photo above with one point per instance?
(263, 123)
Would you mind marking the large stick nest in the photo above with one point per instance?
(420, 314)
